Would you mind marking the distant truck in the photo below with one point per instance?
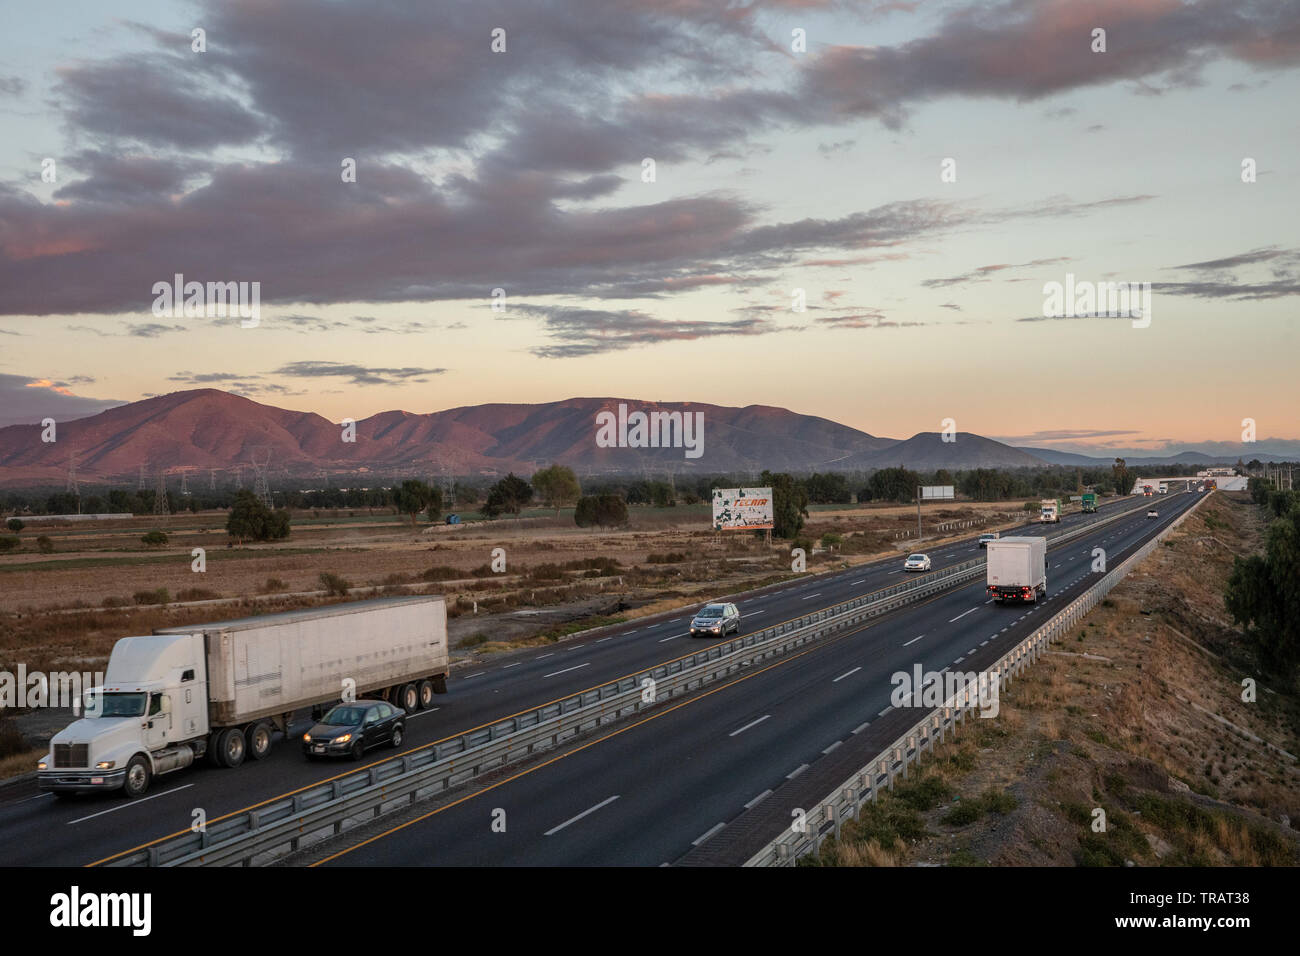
(1017, 569)
(1146, 491)
(1050, 510)
(220, 690)
(1089, 502)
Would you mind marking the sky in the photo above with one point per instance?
(914, 173)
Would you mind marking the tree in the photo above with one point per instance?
(1263, 595)
(605, 511)
(828, 489)
(893, 484)
(412, 497)
(507, 496)
(251, 519)
(789, 503)
(1122, 483)
(15, 525)
(557, 486)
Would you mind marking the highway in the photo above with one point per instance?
(646, 793)
(38, 829)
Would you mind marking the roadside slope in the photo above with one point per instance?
(1140, 716)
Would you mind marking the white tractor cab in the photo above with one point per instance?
(154, 694)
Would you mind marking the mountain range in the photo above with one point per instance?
(208, 429)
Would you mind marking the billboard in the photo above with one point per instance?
(742, 509)
(931, 492)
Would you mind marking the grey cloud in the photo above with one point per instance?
(151, 330)
(358, 374)
(592, 331)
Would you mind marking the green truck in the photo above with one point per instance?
(1089, 503)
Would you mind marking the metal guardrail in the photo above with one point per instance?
(845, 802)
(431, 769)
(382, 787)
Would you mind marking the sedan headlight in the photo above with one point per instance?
(106, 765)
(306, 738)
(342, 740)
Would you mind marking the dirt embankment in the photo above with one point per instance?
(1130, 743)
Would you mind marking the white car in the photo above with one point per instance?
(917, 562)
(1153, 513)
(986, 538)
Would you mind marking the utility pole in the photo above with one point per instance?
(140, 485)
(160, 508)
(72, 478)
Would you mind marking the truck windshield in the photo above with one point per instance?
(115, 705)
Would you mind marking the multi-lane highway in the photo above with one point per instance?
(650, 791)
(698, 762)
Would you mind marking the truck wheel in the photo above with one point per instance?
(214, 749)
(231, 747)
(258, 740)
(408, 698)
(137, 777)
(426, 694)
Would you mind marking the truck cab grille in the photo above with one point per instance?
(71, 755)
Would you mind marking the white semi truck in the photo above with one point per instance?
(221, 690)
(1017, 569)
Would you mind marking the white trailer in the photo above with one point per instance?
(223, 689)
(1017, 569)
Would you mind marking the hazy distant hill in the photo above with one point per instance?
(206, 429)
(210, 429)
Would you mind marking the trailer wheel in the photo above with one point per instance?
(137, 777)
(258, 740)
(408, 698)
(426, 694)
(440, 684)
(231, 747)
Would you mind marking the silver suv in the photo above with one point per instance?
(716, 620)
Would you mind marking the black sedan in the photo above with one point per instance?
(354, 728)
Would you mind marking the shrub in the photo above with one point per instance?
(334, 584)
(442, 572)
(15, 525)
(45, 544)
(156, 596)
(154, 538)
(8, 542)
(196, 594)
(273, 585)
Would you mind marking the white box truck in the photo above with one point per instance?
(222, 689)
(1017, 569)
(1049, 510)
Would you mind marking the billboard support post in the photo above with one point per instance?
(930, 493)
